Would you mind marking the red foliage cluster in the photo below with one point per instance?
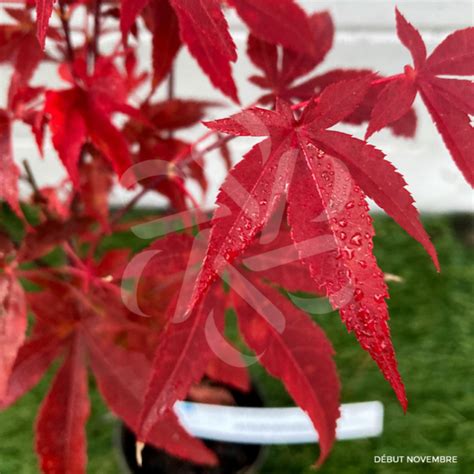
(291, 216)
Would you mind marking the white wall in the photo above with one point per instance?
(365, 38)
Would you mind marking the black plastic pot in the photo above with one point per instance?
(233, 458)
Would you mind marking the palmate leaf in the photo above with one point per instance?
(31, 363)
(60, 432)
(403, 126)
(279, 76)
(204, 30)
(180, 361)
(74, 119)
(84, 329)
(301, 142)
(121, 377)
(19, 44)
(42, 239)
(449, 101)
(245, 202)
(345, 269)
(9, 170)
(80, 114)
(13, 323)
(299, 354)
(162, 22)
(282, 23)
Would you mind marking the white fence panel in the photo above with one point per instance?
(365, 38)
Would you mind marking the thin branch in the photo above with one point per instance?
(117, 217)
(171, 84)
(97, 30)
(222, 140)
(64, 17)
(171, 90)
(383, 80)
(31, 178)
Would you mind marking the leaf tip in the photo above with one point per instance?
(400, 392)
(209, 124)
(398, 14)
(41, 39)
(434, 256)
(139, 447)
(368, 133)
(235, 98)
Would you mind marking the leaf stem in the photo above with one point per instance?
(127, 208)
(74, 257)
(383, 80)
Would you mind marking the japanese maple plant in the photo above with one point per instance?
(291, 216)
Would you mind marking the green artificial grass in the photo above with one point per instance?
(432, 328)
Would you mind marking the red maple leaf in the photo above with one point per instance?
(13, 323)
(162, 22)
(84, 112)
(10, 172)
(19, 45)
(204, 30)
(404, 126)
(281, 77)
(284, 23)
(83, 329)
(43, 238)
(449, 101)
(154, 143)
(292, 216)
(157, 298)
(324, 175)
(298, 353)
(20, 106)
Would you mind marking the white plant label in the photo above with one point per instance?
(275, 425)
